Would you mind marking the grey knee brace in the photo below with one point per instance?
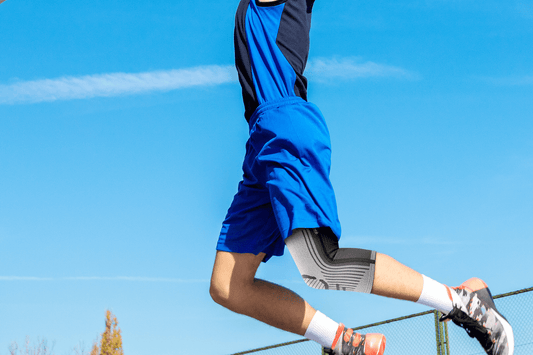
(324, 266)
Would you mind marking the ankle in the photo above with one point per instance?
(322, 329)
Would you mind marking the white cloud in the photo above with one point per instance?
(325, 69)
(103, 278)
(114, 84)
(25, 278)
(132, 278)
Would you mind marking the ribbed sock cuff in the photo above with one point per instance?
(322, 329)
(435, 295)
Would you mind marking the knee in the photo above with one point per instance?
(226, 292)
(323, 265)
(230, 294)
(219, 291)
(316, 282)
(232, 279)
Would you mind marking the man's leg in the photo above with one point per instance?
(472, 306)
(395, 280)
(324, 265)
(234, 286)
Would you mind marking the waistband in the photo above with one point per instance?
(273, 104)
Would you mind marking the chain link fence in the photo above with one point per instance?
(423, 334)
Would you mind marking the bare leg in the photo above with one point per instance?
(395, 280)
(234, 286)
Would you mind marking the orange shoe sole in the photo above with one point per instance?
(375, 344)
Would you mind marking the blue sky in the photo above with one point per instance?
(122, 135)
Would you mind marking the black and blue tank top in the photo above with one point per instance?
(271, 50)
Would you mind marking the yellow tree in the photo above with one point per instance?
(95, 349)
(111, 342)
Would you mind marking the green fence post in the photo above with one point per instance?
(441, 335)
(436, 314)
(445, 324)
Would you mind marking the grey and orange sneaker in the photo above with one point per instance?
(347, 342)
(477, 314)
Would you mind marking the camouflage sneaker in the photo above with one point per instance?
(347, 342)
(477, 314)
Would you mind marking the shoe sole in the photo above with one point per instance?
(508, 331)
(375, 344)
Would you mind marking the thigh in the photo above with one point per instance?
(250, 225)
(234, 270)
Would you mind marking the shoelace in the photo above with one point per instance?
(473, 328)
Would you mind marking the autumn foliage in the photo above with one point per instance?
(111, 339)
(110, 342)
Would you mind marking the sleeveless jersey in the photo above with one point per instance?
(271, 50)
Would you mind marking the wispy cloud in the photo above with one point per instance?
(326, 69)
(25, 278)
(103, 278)
(114, 84)
(117, 84)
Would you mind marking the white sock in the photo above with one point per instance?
(435, 295)
(322, 329)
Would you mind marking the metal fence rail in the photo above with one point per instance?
(432, 336)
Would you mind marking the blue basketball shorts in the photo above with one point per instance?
(285, 182)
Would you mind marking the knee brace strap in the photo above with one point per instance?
(324, 266)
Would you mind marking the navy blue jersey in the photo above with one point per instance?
(271, 49)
